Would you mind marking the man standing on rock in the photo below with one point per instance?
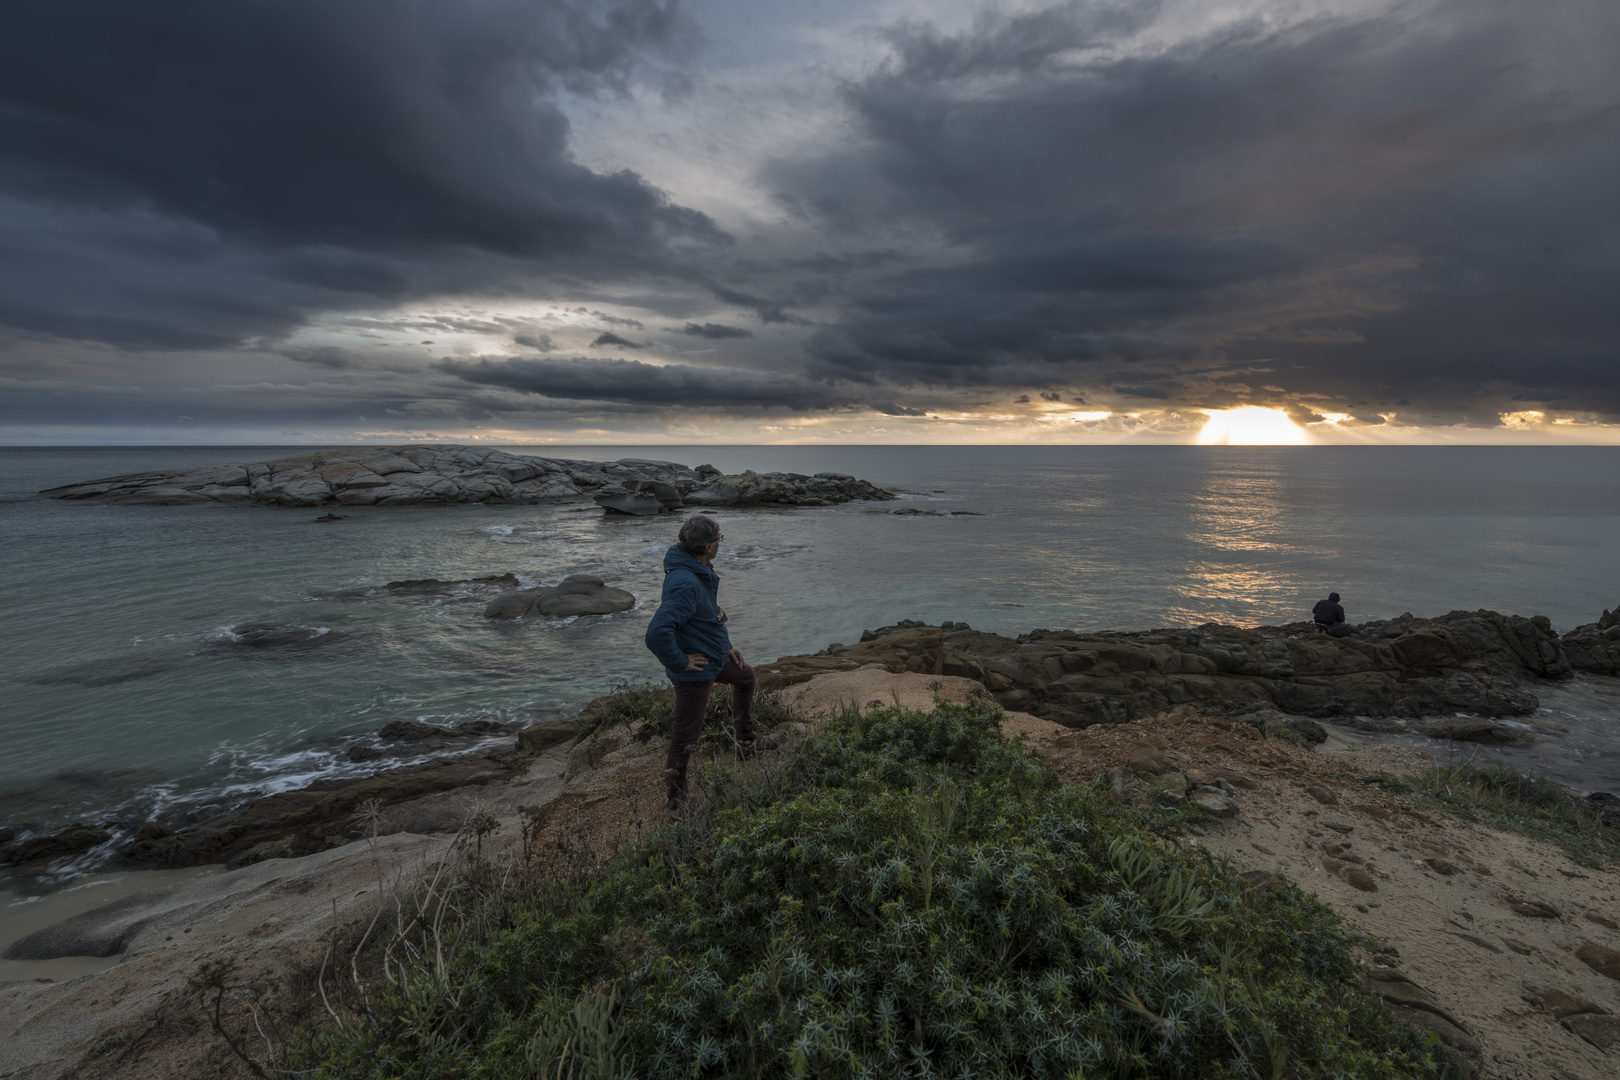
(688, 635)
(1329, 616)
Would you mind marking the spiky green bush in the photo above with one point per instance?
(902, 895)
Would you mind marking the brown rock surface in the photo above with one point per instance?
(1602, 1032)
(1600, 958)
(1559, 1003)
(917, 649)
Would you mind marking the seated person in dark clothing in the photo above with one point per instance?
(1329, 616)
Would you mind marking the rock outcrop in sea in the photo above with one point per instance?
(428, 475)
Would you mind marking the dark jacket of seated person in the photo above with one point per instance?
(1329, 615)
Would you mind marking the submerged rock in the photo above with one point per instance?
(507, 581)
(69, 841)
(577, 594)
(1474, 729)
(438, 474)
(267, 636)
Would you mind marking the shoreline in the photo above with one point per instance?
(275, 917)
(1406, 679)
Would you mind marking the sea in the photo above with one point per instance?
(125, 696)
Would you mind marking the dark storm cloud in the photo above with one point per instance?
(1414, 204)
(1144, 391)
(185, 173)
(636, 383)
(608, 338)
(714, 331)
(767, 311)
(822, 263)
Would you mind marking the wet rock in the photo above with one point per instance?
(540, 737)
(360, 753)
(1595, 647)
(412, 731)
(320, 816)
(577, 594)
(640, 504)
(1601, 959)
(69, 841)
(433, 585)
(153, 830)
(1474, 729)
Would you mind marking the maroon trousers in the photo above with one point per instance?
(691, 702)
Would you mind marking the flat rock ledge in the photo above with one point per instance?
(1399, 674)
(421, 474)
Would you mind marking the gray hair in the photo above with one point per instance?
(697, 533)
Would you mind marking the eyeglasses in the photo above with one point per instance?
(717, 539)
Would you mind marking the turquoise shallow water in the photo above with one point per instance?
(122, 696)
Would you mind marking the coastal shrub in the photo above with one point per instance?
(902, 894)
(648, 711)
(1502, 797)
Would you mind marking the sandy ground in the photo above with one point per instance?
(1454, 907)
(1456, 904)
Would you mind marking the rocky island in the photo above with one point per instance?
(430, 475)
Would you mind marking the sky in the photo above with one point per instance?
(825, 221)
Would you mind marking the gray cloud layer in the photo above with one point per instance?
(632, 382)
(183, 173)
(1411, 205)
(1409, 211)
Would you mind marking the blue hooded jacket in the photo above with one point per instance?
(688, 619)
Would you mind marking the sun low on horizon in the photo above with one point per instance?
(1251, 425)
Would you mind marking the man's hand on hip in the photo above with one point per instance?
(696, 661)
(736, 658)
